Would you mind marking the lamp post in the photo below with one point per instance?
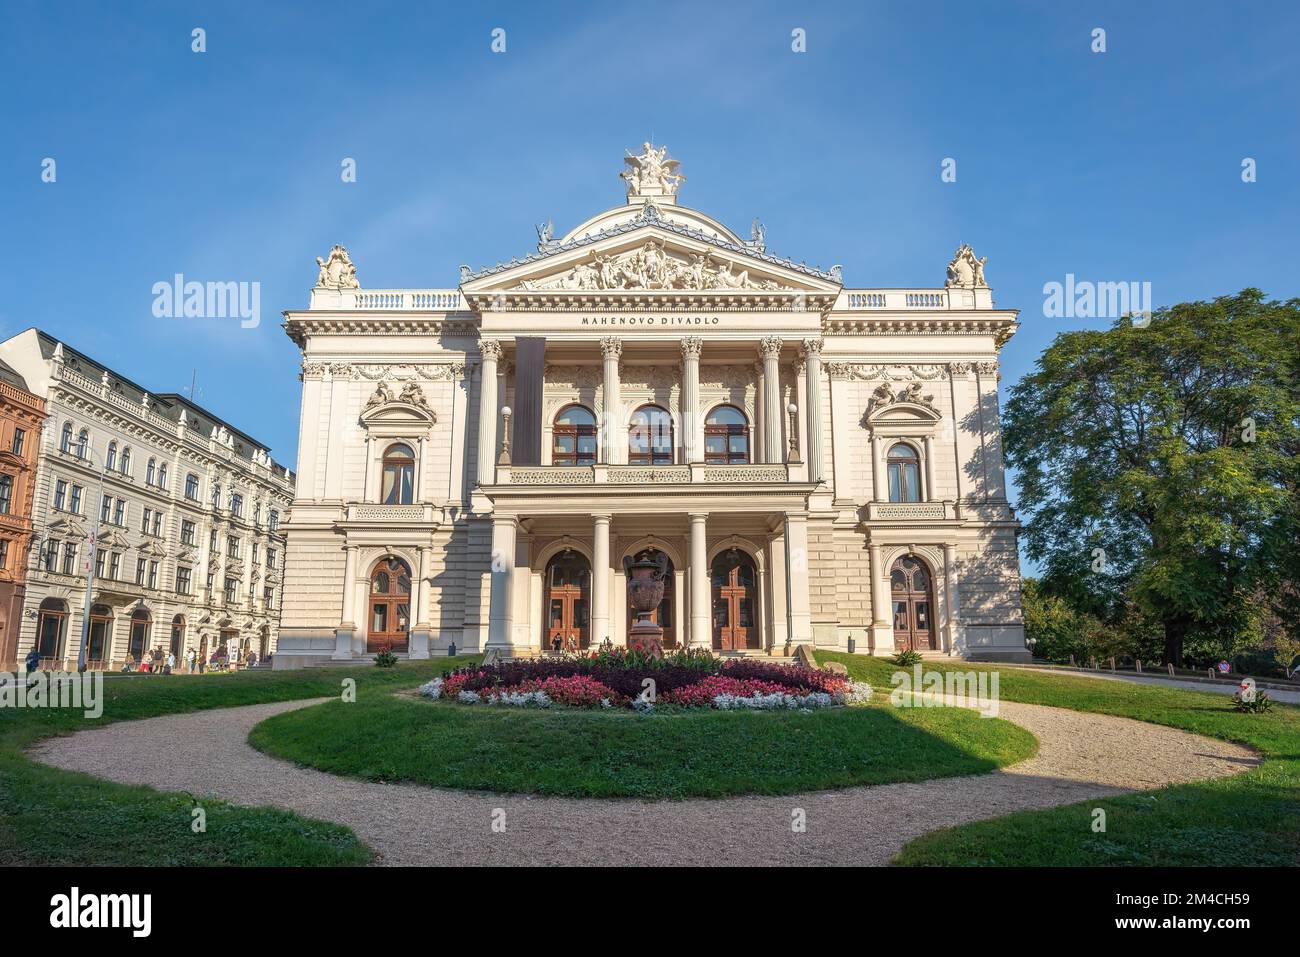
(90, 566)
(794, 434)
(505, 436)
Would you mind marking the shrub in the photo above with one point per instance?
(907, 658)
(385, 658)
(1253, 704)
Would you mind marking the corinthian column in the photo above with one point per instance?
(692, 433)
(487, 411)
(812, 351)
(770, 351)
(611, 429)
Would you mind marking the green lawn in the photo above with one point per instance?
(1248, 819)
(49, 816)
(580, 753)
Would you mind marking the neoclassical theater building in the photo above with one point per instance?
(814, 463)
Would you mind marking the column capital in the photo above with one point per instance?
(601, 518)
(611, 347)
(696, 517)
(490, 349)
(692, 346)
(769, 347)
(813, 347)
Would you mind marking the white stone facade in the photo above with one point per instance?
(175, 480)
(813, 392)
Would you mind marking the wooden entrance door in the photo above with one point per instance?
(909, 584)
(101, 631)
(390, 606)
(568, 602)
(662, 614)
(734, 598)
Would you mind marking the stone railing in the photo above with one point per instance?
(893, 299)
(567, 475)
(371, 512)
(910, 511)
(429, 300)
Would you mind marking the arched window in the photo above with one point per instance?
(150, 472)
(399, 475)
(192, 487)
(126, 461)
(141, 626)
(390, 606)
(51, 626)
(83, 442)
(574, 437)
(6, 493)
(101, 633)
(904, 468)
(273, 521)
(65, 441)
(162, 476)
(236, 505)
(110, 461)
(650, 437)
(726, 436)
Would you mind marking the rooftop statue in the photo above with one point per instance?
(337, 271)
(651, 173)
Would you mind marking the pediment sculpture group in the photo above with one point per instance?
(411, 394)
(652, 267)
(885, 395)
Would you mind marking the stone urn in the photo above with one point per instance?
(645, 590)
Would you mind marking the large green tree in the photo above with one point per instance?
(1157, 466)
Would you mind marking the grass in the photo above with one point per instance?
(49, 816)
(588, 754)
(1247, 819)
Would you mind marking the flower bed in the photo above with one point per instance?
(620, 678)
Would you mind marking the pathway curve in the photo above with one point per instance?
(1080, 756)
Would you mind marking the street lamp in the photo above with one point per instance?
(98, 502)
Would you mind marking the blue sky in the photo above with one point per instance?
(225, 165)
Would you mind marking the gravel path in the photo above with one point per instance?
(1080, 756)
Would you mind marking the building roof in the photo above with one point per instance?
(9, 374)
(169, 405)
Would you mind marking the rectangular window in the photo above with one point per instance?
(232, 546)
(157, 524)
(273, 522)
(232, 590)
(187, 532)
(115, 566)
(212, 580)
(254, 554)
(237, 505)
(140, 565)
(60, 495)
(6, 493)
(69, 558)
(212, 541)
(182, 580)
(106, 508)
(19, 437)
(192, 487)
(100, 558)
(4, 553)
(153, 574)
(74, 501)
(268, 597)
(119, 512)
(270, 558)
(144, 522)
(51, 554)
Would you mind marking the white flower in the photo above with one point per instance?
(432, 689)
(859, 693)
(468, 697)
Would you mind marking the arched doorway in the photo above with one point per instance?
(228, 642)
(568, 601)
(735, 595)
(663, 613)
(51, 629)
(141, 621)
(263, 643)
(178, 637)
(390, 605)
(909, 586)
(100, 642)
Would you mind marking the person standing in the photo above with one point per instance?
(189, 657)
(33, 659)
(171, 662)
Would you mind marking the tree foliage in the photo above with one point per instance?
(1157, 468)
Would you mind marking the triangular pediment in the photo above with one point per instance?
(649, 256)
